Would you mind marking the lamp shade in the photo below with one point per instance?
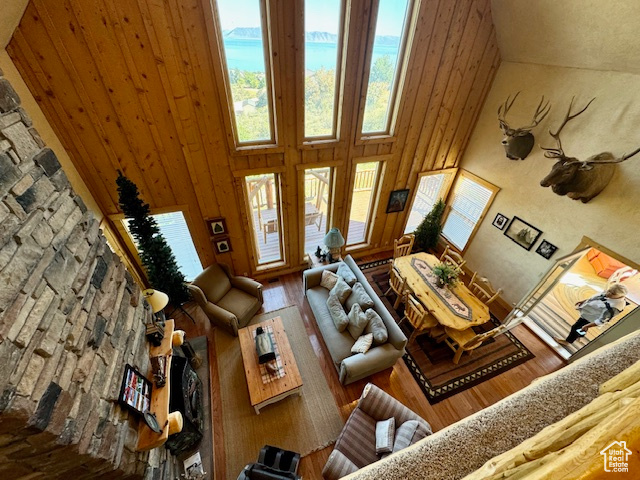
(157, 299)
(334, 239)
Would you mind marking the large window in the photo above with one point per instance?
(322, 63)
(174, 229)
(365, 186)
(264, 209)
(432, 186)
(317, 197)
(247, 69)
(471, 199)
(387, 64)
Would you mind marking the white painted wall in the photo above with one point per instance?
(612, 123)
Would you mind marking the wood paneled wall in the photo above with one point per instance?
(130, 85)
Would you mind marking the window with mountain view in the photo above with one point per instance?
(386, 65)
(322, 62)
(247, 69)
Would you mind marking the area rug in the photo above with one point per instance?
(301, 424)
(431, 363)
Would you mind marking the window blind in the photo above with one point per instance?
(469, 202)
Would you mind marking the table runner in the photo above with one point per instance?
(450, 299)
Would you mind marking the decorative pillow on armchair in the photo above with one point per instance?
(409, 433)
(358, 295)
(341, 290)
(385, 431)
(345, 272)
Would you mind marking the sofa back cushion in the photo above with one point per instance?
(341, 290)
(213, 282)
(345, 272)
(337, 313)
(358, 295)
(376, 326)
(357, 321)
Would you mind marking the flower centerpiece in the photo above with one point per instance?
(446, 274)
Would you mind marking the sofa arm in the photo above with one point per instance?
(249, 286)
(312, 277)
(221, 317)
(379, 405)
(338, 466)
(362, 365)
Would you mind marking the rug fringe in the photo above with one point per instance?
(317, 449)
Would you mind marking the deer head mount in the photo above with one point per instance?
(579, 179)
(518, 142)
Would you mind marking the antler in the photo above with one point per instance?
(559, 152)
(507, 106)
(538, 116)
(607, 157)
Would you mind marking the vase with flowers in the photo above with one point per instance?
(446, 274)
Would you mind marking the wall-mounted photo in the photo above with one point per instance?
(397, 200)
(500, 221)
(546, 249)
(223, 245)
(217, 226)
(523, 233)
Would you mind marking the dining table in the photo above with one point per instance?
(452, 306)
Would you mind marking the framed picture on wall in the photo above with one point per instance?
(523, 233)
(217, 226)
(546, 249)
(397, 200)
(223, 245)
(500, 221)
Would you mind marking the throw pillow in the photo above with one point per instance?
(357, 321)
(337, 313)
(345, 272)
(329, 279)
(385, 431)
(409, 433)
(376, 326)
(341, 290)
(363, 344)
(359, 295)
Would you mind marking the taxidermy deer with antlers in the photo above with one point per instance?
(518, 142)
(579, 179)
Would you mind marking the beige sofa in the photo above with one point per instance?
(352, 367)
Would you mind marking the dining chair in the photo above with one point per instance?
(481, 287)
(398, 285)
(453, 258)
(402, 246)
(461, 341)
(419, 317)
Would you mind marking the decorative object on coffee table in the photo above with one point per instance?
(334, 241)
(264, 347)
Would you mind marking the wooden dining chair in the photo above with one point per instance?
(402, 246)
(453, 258)
(398, 285)
(461, 341)
(481, 287)
(419, 317)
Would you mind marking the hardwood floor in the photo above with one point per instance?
(286, 291)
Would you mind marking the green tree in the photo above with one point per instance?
(429, 229)
(156, 255)
(382, 70)
(319, 102)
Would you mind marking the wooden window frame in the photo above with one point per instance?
(451, 172)
(248, 223)
(381, 160)
(399, 80)
(488, 185)
(331, 140)
(258, 147)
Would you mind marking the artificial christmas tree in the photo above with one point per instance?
(156, 255)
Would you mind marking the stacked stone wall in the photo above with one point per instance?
(71, 317)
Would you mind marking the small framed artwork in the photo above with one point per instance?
(397, 200)
(217, 226)
(223, 245)
(546, 249)
(523, 233)
(135, 391)
(500, 221)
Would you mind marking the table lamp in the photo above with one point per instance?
(155, 329)
(334, 240)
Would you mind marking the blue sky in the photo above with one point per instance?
(322, 16)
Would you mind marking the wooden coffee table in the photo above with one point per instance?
(262, 394)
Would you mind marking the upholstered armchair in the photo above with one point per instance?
(229, 301)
